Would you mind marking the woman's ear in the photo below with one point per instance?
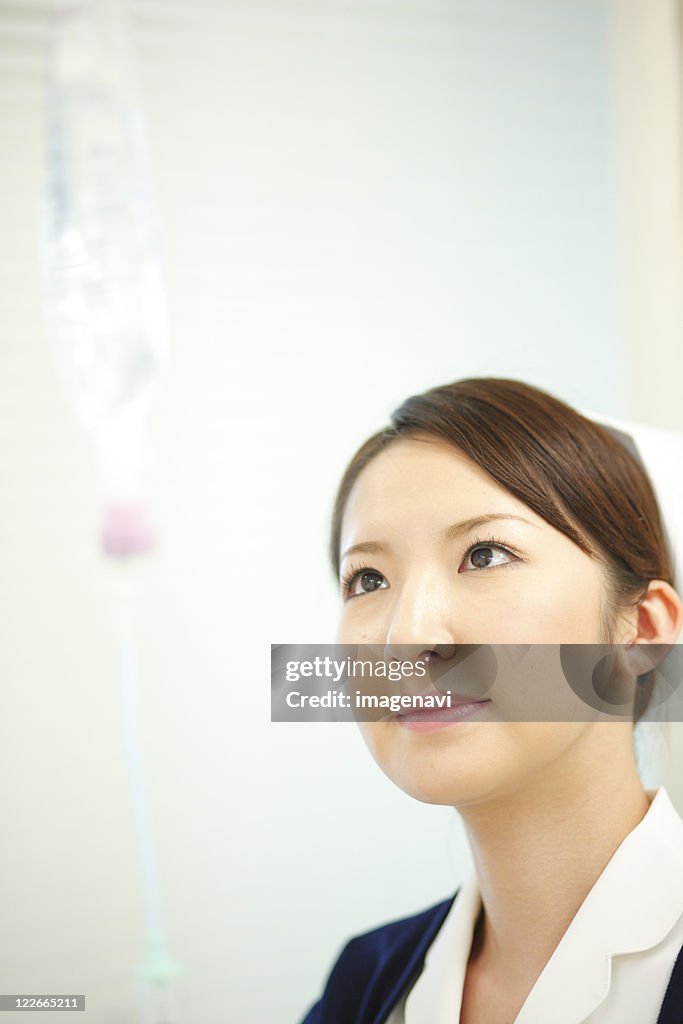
(657, 624)
(659, 615)
(653, 629)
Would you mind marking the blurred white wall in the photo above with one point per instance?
(647, 44)
(359, 200)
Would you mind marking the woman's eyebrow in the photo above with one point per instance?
(465, 525)
(373, 547)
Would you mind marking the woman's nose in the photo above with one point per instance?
(421, 616)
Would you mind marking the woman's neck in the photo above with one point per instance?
(539, 851)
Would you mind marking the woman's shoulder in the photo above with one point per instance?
(375, 966)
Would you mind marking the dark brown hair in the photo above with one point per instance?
(577, 475)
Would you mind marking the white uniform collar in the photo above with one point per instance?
(633, 905)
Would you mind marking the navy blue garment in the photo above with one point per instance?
(374, 970)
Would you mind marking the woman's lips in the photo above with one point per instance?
(431, 719)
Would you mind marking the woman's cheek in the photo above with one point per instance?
(369, 732)
(362, 625)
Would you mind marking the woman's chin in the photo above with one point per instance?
(431, 778)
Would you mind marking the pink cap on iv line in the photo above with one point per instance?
(125, 531)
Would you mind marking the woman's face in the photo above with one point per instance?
(427, 574)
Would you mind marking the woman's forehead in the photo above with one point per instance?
(417, 456)
(426, 475)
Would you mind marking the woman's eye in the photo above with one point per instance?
(487, 556)
(365, 582)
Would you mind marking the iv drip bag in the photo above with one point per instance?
(102, 252)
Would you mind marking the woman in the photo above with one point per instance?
(490, 512)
